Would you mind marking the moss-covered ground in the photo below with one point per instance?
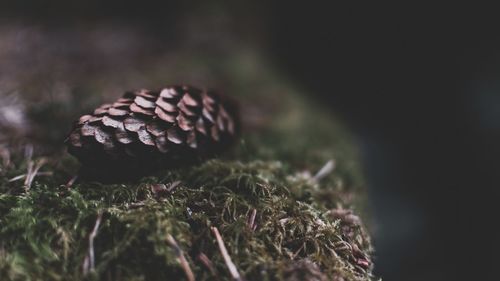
(278, 218)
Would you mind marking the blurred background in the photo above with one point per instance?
(417, 85)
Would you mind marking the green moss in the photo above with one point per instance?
(45, 230)
(276, 221)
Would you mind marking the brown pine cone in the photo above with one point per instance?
(146, 129)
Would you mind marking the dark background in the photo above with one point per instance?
(419, 87)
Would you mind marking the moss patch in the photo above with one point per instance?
(277, 220)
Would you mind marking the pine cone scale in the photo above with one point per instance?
(133, 124)
(118, 111)
(164, 126)
(144, 103)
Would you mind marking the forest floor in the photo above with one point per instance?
(284, 204)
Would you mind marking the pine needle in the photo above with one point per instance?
(182, 259)
(227, 258)
(89, 262)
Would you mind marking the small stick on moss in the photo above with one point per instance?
(182, 259)
(207, 263)
(89, 262)
(23, 176)
(71, 182)
(32, 172)
(251, 220)
(173, 185)
(227, 259)
(324, 171)
(28, 173)
(16, 178)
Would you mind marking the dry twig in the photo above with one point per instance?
(227, 259)
(23, 176)
(72, 181)
(173, 185)
(89, 262)
(182, 259)
(324, 171)
(33, 169)
(207, 263)
(251, 220)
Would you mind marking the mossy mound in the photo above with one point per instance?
(277, 219)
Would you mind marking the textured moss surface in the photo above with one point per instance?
(277, 219)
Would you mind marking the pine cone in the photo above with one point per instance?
(146, 129)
